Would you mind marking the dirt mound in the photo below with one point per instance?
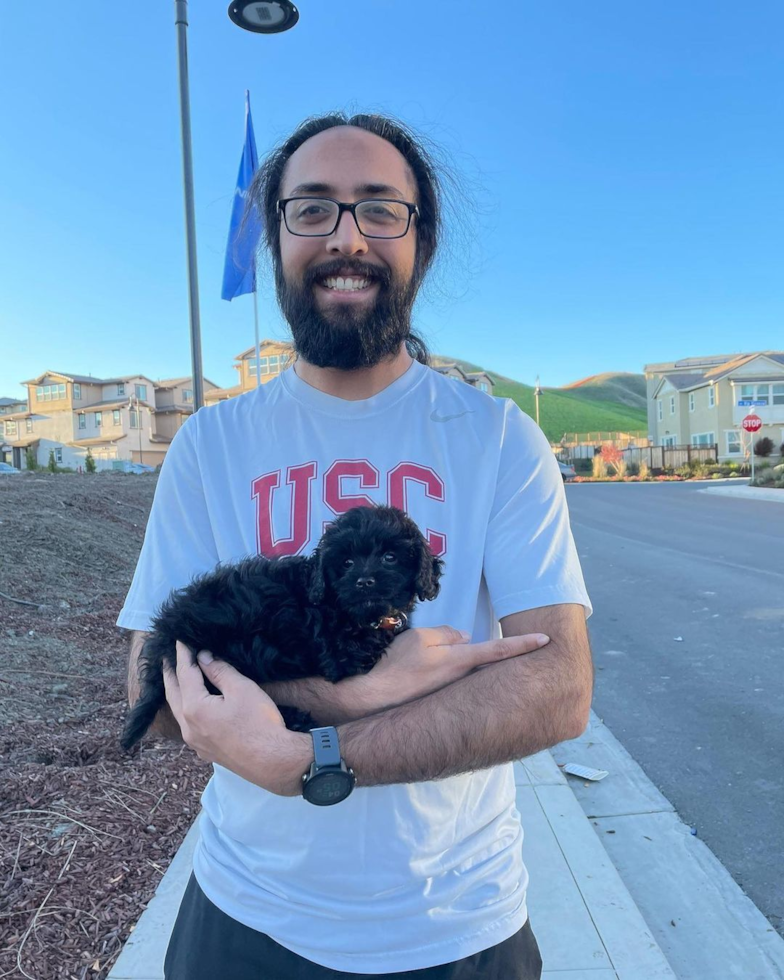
(86, 831)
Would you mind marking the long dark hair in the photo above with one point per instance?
(264, 191)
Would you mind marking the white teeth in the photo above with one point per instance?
(347, 284)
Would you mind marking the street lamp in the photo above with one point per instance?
(264, 16)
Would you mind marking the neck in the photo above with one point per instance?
(355, 385)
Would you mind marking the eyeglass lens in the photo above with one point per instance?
(316, 216)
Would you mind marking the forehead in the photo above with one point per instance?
(346, 162)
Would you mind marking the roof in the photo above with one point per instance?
(100, 406)
(12, 401)
(175, 382)
(23, 442)
(96, 440)
(446, 368)
(79, 378)
(716, 364)
(683, 381)
(476, 375)
(236, 390)
(275, 343)
(17, 415)
(174, 408)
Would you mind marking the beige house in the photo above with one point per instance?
(479, 379)
(131, 419)
(698, 401)
(274, 356)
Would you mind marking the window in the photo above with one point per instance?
(29, 425)
(135, 419)
(50, 393)
(669, 441)
(482, 386)
(273, 364)
(187, 395)
(264, 365)
(711, 397)
(691, 401)
(120, 389)
(284, 360)
(660, 410)
(759, 393)
(58, 455)
(703, 439)
(98, 420)
(77, 389)
(734, 443)
(141, 392)
(10, 428)
(82, 420)
(672, 404)
(763, 394)
(778, 394)
(115, 416)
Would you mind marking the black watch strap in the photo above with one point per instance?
(326, 749)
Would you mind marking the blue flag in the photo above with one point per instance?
(239, 270)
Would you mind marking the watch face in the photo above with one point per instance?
(328, 787)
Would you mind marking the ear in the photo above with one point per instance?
(317, 586)
(429, 573)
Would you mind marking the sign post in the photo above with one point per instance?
(752, 423)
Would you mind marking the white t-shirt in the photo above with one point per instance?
(400, 877)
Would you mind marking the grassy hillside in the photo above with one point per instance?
(575, 408)
(621, 387)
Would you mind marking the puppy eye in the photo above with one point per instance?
(390, 558)
(348, 563)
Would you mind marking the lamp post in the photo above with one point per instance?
(537, 393)
(181, 25)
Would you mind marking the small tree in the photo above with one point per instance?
(89, 462)
(764, 447)
(51, 465)
(30, 461)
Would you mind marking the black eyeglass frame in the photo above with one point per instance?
(413, 209)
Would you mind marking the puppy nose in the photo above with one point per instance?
(365, 582)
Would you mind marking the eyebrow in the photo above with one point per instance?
(320, 188)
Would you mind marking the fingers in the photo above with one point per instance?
(443, 635)
(491, 651)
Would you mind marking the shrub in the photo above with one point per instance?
(599, 468)
(644, 470)
(764, 447)
(30, 461)
(51, 465)
(89, 462)
(764, 479)
(633, 469)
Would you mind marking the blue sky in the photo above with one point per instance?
(623, 160)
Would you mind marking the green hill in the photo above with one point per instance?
(598, 404)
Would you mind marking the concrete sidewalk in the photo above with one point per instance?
(612, 868)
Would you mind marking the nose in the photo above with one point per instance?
(346, 238)
(366, 582)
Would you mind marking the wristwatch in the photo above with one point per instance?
(329, 780)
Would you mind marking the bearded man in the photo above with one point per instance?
(410, 867)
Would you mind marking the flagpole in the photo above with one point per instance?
(181, 24)
(258, 345)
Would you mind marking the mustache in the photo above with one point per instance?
(362, 270)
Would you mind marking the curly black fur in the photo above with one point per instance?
(276, 619)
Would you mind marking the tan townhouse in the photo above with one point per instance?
(274, 356)
(701, 401)
(130, 419)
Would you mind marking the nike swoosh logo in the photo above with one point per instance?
(447, 418)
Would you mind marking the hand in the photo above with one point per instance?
(240, 729)
(420, 661)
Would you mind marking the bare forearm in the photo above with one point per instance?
(164, 723)
(328, 703)
(506, 711)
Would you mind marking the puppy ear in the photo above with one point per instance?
(317, 586)
(430, 568)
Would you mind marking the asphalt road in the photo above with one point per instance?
(688, 642)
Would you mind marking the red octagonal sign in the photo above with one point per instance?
(752, 423)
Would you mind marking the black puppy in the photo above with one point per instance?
(331, 614)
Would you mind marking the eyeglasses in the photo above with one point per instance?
(318, 217)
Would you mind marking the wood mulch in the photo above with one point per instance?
(86, 831)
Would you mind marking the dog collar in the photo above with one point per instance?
(396, 623)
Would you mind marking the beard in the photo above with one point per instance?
(347, 337)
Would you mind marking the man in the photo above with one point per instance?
(418, 872)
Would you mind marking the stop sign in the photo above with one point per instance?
(752, 423)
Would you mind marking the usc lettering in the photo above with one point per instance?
(300, 483)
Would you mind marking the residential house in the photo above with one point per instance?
(274, 356)
(695, 401)
(12, 405)
(479, 379)
(130, 419)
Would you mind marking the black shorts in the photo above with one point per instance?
(207, 944)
